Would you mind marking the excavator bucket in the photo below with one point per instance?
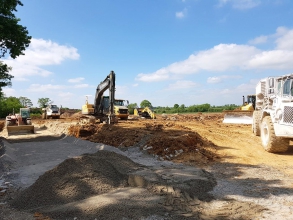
(20, 129)
(238, 117)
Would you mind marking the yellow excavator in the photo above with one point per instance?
(103, 108)
(145, 112)
(243, 114)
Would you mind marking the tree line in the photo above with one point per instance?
(10, 105)
(182, 108)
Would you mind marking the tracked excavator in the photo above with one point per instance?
(103, 107)
(145, 113)
(243, 114)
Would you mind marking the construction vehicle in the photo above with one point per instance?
(103, 107)
(19, 123)
(146, 112)
(51, 111)
(243, 114)
(273, 115)
(121, 109)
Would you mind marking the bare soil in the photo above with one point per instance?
(250, 183)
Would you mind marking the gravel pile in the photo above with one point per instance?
(77, 178)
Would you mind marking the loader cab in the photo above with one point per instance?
(121, 102)
(285, 86)
(288, 87)
(24, 113)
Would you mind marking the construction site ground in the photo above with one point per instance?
(177, 166)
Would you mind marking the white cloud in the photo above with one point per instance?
(240, 4)
(159, 75)
(181, 14)
(40, 53)
(65, 94)
(220, 58)
(284, 39)
(259, 40)
(225, 57)
(121, 91)
(44, 88)
(218, 79)
(81, 86)
(181, 84)
(244, 88)
(76, 80)
(135, 85)
(8, 91)
(275, 59)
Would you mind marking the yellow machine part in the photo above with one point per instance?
(243, 115)
(145, 112)
(87, 109)
(20, 129)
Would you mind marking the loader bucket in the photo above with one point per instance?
(21, 129)
(241, 117)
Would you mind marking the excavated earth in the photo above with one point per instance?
(174, 167)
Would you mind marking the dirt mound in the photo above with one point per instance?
(108, 134)
(166, 140)
(76, 179)
(71, 114)
(2, 125)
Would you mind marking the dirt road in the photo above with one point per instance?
(250, 183)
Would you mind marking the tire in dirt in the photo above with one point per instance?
(270, 141)
(256, 123)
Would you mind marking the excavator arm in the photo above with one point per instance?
(108, 83)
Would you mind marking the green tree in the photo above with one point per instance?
(131, 107)
(13, 38)
(9, 105)
(43, 102)
(145, 103)
(26, 102)
(176, 106)
(5, 77)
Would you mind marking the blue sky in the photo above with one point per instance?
(165, 51)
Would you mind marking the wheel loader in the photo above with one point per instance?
(243, 114)
(121, 109)
(273, 115)
(19, 123)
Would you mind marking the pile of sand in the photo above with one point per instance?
(77, 178)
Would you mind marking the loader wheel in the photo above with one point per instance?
(270, 141)
(44, 116)
(28, 122)
(255, 123)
